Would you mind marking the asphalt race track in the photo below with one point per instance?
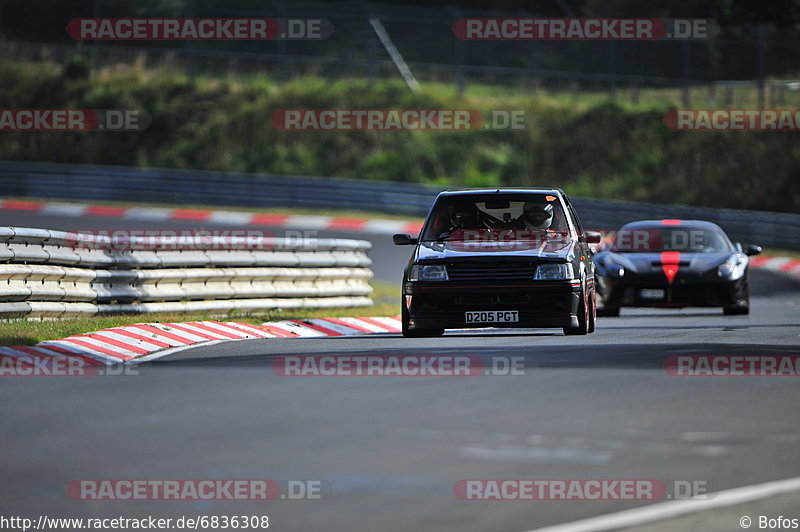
(388, 450)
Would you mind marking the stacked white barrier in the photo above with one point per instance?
(46, 273)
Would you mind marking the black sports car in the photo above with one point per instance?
(499, 258)
(673, 263)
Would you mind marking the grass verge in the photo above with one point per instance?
(591, 146)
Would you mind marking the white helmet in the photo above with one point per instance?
(537, 215)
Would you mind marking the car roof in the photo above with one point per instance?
(504, 190)
(693, 224)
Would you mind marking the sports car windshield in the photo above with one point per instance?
(658, 239)
(493, 217)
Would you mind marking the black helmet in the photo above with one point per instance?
(458, 215)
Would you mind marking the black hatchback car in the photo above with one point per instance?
(512, 258)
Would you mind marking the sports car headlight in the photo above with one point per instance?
(553, 272)
(428, 272)
(613, 269)
(732, 268)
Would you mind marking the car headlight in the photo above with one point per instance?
(553, 272)
(731, 268)
(428, 272)
(615, 270)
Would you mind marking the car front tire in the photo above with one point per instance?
(593, 312)
(606, 308)
(736, 310)
(608, 312)
(742, 308)
(583, 317)
(415, 333)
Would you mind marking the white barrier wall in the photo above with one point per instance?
(46, 273)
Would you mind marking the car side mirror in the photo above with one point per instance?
(404, 240)
(593, 237)
(752, 250)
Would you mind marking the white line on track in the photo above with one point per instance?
(670, 509)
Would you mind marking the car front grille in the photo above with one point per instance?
(490, 271)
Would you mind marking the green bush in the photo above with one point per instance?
(602, 150)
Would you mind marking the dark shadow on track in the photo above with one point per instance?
(627, 356)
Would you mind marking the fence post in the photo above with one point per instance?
(611, 65)
(188, 9)
(686, 68)
(635, 93)
(761, 46)
(459, 54)
(371, 61)
(95, 44)
(282, 69)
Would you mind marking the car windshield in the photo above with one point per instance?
(658, 239)
(522, 217)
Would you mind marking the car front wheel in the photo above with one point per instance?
(736, 310)
(583, 316)
(742, 307)
(593, 312)
(415, 333)
(606, 308)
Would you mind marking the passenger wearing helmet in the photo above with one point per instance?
(537, 215)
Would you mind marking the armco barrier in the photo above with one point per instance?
(134, 185)
(46, 273)
(190, 187)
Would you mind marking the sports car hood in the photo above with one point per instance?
(643, 263)
(560, 249)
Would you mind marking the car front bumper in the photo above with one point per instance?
(683, 292)
(444, 304)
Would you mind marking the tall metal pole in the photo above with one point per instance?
(394, 53)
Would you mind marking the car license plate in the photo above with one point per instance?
(651, 293)
(492, 316)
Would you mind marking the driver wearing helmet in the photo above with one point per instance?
(462, 216)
